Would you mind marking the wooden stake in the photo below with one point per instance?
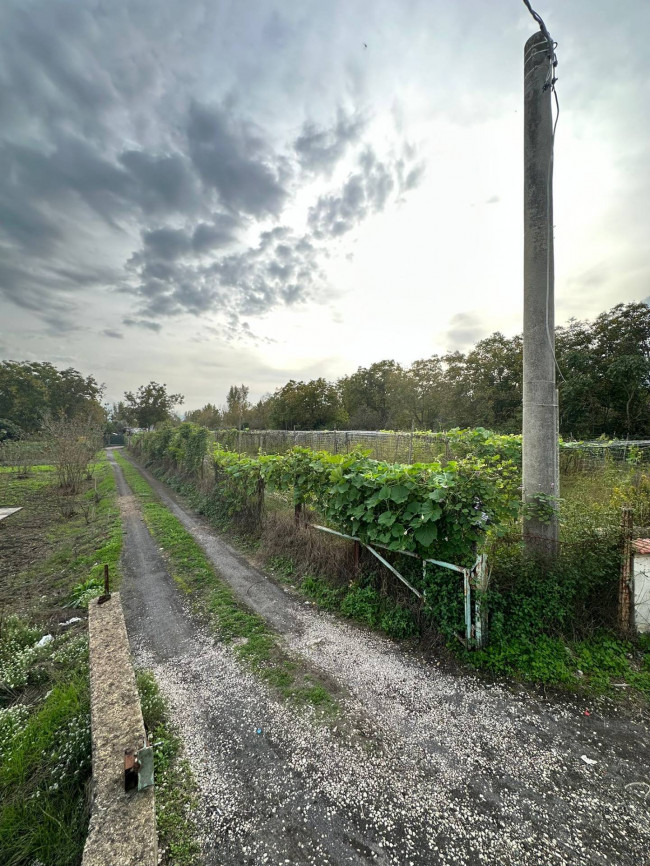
(625, 618)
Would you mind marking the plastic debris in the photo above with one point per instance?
(586, 713)
(258, 731)
(70, 621)
(45, 640)
(587, 760)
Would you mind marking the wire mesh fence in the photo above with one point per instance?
(416, 446)
(388, 446)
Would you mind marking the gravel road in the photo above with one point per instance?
(426, 767)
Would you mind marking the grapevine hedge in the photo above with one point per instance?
(433, 510)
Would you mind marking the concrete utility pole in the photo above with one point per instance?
(540, 421)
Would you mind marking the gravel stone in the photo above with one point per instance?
(423, 766)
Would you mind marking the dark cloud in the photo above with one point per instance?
(219, 233)
(111, 332)
(232, 157)
(142, 323)
(167, 244)
(282, 269)
(464, 330)
(319, 149)
(163, 183)
(365, 192)
(117, 178)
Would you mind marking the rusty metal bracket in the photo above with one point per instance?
(131, 767)
(138, 767)
(107, 593)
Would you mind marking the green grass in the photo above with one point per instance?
(68, 553)
(603, 664)
(176, 791)
(45, 761)
(254, 643)
(45, 748)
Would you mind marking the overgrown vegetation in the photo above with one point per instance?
(49, 561)
(253, 642)
(429, 509)
(176, 791)
(543, 618)
(56, 547)
(45, 754)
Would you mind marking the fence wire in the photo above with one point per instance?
(412, 447)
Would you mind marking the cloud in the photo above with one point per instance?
(163, 183)
(464, 330)
(320, 149)
(232, 156)
(281, 269)
(121, 176)
(365, 192)
(111, 332)
(142, 323)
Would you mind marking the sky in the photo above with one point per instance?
(204, 193)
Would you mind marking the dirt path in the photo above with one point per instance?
(441, 769)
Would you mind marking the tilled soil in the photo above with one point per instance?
(427, 767)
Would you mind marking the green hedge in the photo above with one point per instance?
(429, 509)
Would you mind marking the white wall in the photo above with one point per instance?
(642, 592)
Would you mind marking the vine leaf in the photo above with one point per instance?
(426, 535)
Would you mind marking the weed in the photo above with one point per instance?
(43, 777)
(283, 566)
(322, 592)
(45, 749)
(176, 791)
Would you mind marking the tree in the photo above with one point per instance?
(209, 416)
(73, 443)
(150, 405)
(260, 415)
(311, 405)
(118, 418)
(605, 389)
(237, 404)
(29, 390)
(494, 377)
(370, 396)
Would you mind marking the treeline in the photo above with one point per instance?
(604, 385)
(30, 391)
(35, 394)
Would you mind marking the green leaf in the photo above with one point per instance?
(426, 535)
(386, 519)
(399, 493)
(431, 512)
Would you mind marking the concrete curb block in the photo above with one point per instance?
(122, 828)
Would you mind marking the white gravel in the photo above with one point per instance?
(427, 767)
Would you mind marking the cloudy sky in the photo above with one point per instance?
(206, 192)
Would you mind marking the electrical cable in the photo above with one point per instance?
(549, 83)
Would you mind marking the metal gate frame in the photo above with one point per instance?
(475, 578)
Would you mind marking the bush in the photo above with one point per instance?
(9, 430)
(362, 603)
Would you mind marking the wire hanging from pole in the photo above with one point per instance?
(549, 83)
